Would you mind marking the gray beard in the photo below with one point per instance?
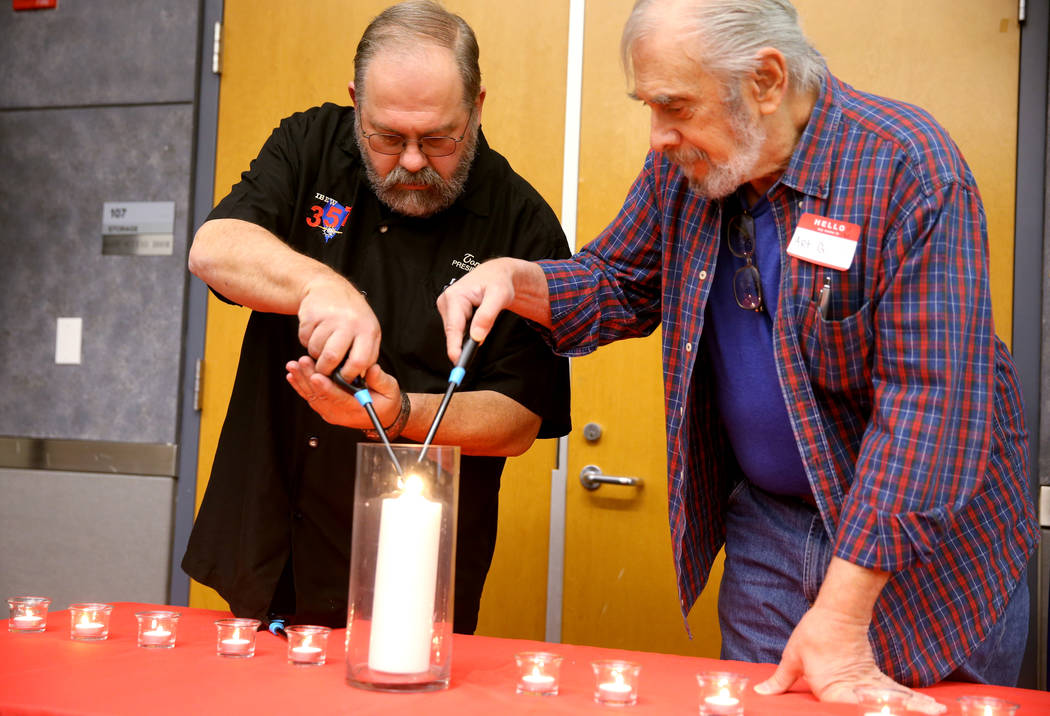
(723, 178)
(439, 194)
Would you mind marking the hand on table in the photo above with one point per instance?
(336, 405)
(831, 651)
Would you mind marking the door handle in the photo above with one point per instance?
(591, 478)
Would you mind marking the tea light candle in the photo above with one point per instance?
(721, 700)
(236, 637)
(616, 682)
(27, 621)
(884, 711)
(157, 628)
(721, 693)
(876, 701)
(28, 614)
(307, 644)
(615, 690)
(235, 646)
(538, 672)
(84, 628)
(536, 681)
(155, 637)
(89, 621)
(986, 706)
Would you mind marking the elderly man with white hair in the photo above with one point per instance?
(840, 413)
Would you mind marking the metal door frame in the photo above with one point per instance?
(202, 192)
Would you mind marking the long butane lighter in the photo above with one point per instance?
(454, 379)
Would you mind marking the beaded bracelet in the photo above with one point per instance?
(393, 431)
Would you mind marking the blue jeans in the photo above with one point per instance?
(777, 552)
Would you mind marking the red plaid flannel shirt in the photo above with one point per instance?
(904, 403)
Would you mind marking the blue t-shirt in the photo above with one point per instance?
(747, 387)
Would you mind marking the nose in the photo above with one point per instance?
(661, 135)
(412, 159)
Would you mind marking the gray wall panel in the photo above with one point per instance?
(57, 168)
(98, 52)
(85, 536)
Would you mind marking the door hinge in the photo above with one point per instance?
(1022, 10)
(216, 49)
(198, 384)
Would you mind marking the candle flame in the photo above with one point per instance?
(413, 485)
(236, 633)
(85, 619)
(153, 625)
(536, 670)
(617, 677)
(306, 642)
(723, 693)
(987, 710)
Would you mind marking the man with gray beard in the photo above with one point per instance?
(340, 237)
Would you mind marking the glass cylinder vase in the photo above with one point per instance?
(402, 557)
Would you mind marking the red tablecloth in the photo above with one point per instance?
(47, 673)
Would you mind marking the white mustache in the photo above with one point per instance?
(685, 156)
(400, 175)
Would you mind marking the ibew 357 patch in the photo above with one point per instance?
(328, 215)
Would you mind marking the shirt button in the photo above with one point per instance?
(297, 515)
(688, 347)
(383, 229)
(703, 275)
(681, 411)
(313, 442)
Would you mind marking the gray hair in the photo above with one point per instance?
(407, 24)
(728, 35)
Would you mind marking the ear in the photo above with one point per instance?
(479, 102)
(769, 81)
(353, 93)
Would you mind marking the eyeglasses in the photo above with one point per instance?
(747, 284)
(431, 146)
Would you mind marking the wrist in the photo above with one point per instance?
(850, 589)
(393, 431)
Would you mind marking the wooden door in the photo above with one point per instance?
(959, 60)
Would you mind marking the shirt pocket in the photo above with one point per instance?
(837, 352)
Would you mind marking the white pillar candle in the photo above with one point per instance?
(406, 576)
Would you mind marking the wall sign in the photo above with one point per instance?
(138, 228)
(33, 4)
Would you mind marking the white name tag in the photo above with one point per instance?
(825, 242)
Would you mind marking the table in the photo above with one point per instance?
(47, 673)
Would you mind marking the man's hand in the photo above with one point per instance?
(829, 647)
(831, 651)
(335, 404)
(491, 287)
(335, 321)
